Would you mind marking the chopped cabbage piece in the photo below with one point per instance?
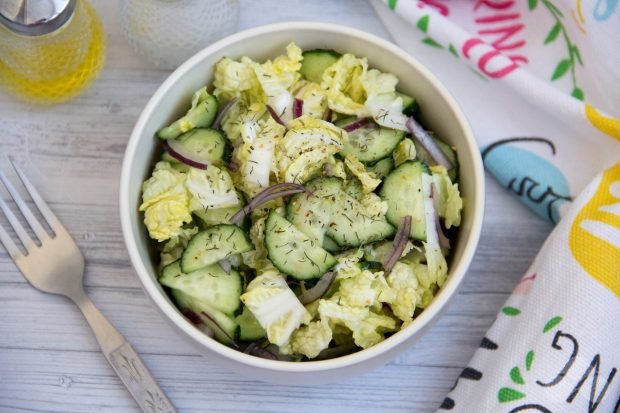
(309, 340)
(211, 188)
(367, 326)
(275, 306)
(342, 81)
(368, 180)
(405, 151)
(165, 202)
(237, 79)
(447, 197)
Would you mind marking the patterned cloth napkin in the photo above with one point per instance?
(539, 80)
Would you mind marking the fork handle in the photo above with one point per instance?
(124, 360)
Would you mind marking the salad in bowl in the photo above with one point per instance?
(300, 210)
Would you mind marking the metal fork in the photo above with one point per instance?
(56, 266)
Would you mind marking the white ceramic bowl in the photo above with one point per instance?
(440, 113)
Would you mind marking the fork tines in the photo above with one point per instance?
(34, 223)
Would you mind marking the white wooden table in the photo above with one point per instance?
(50, 362)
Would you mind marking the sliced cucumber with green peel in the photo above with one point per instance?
(331, 210)
(411, 107)
(249, 327)
(331, 245)
(315, 62)
(382, 167)
(370, 143)
(309, 213)
(351, 226)
(293, 252)
(200, 116)
(402, 190)
(223, 326)
(214, 244)
(215, 216)
(448, 150)
(209, 285)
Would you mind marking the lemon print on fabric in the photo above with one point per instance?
(595, 233)
(607, 125)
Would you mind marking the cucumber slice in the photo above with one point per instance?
(205, 145)
(382, 168)
(293, 252)
(249, 327)
(215, 216)
(448, 150)
(331, 245)
(209, 285)
(200, 116)
(315, 62)
(354, 189)
(224, 327)
(411, 107)
(371, 143)
(310, 213)
(351, 226)
(402, 190)
(334, 211)
(213, 244)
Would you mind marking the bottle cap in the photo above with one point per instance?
(35, 17)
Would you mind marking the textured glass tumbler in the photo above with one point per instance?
(57, 66)
(168, 32)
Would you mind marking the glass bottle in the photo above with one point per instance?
(51, 50)
(168, 32)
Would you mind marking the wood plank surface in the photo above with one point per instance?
(49, 361)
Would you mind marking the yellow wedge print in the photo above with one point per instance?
(595, 233)
(605, 124)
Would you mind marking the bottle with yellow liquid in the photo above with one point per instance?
(50, 50)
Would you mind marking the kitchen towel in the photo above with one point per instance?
(539, 80)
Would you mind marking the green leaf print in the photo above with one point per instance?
(552, 323)
(511, 311)
(423, 23)
(431, 42)
(561, 69)
(506, 394)
(577, 93)
(515, 375)
(452, 50)
(575, 51)
(532, 4)
(529, 358)
(553, 34)
(392, 4)
(553, 7)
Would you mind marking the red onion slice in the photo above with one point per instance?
(298, 108)
(225, 265)
(358, 123)
(319, 290)
(273, 192)
(400, 241)
(223, 111)
(175, 149)
(197, 322)
(221, 330)
(444, 242)
(256, 350)
(428, 143)
(275, 116)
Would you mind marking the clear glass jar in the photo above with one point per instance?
(57, 66)
(168, 32)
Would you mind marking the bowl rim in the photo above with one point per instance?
(458, 270)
